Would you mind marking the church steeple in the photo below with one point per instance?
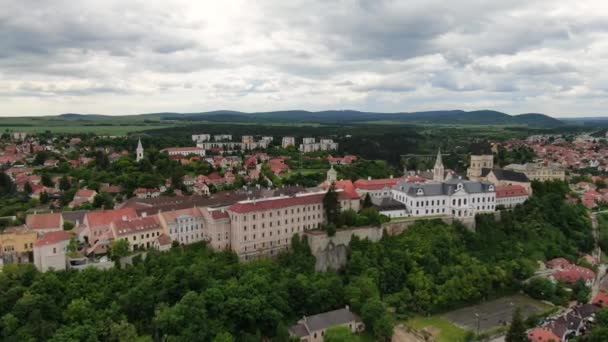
(438, 170)
(139, 152)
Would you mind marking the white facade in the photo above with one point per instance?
(139, 153)
(457, 198)
(288, 141)
(201, 137)
(52, 255)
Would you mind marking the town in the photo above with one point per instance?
(234, 197)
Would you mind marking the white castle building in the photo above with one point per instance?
(455, 197)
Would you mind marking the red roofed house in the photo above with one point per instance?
(376, 187)
(99, 221)
(43, 223)
(346, 160)
(510, 195)
(50, 250)
(216, 179)
(83, 196)
(140, 232)
(558, 263)
(573, 273)
(278, 166)
(542, 335)
(146, 193)
(184, 151)
(601, 299)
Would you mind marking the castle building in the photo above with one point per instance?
(139, 152)
(481, 158)
(539, 171)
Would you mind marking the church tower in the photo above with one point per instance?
(438, 170)
(332, 175)
(139, 152)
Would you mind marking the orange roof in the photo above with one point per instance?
(542, 335)
(601, 299)
(376, 184)
(510, 191)
(86, 193)
(44, 221)
(139, 224)
(53, 238)
(105, 217)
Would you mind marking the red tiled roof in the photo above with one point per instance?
(601, 299)
(145, 191)
(574, 273)
(275, 203)
(85, 193)
(219, 214)
(140, 224)
(558, 262)
(503, 191)
(164, 239)
(44, 221)
(105, 217)
(53, 237)
(376, 184)
(542, 335)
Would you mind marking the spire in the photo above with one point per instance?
(438, 161)
(139, 147)
(139, 152)
(438, 170)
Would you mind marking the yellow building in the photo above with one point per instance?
(17, 241)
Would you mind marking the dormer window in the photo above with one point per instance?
(491, 188)
(459, 186)
(419, 192)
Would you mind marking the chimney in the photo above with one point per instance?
(124, 217)
(144, 214)
(391, 177)
(369, 178)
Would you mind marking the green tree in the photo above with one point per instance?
(331, 205)
(64, 183)
(119, 249)
(27, 188)
(517, 329)
(367, 202)
(46, 180)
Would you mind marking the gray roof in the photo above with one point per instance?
(448, 187)
(387, 203)
(74, 216)
(323, 321)
(507, 175)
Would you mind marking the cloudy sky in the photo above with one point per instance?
(124, 57)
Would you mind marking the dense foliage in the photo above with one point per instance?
(194, 294)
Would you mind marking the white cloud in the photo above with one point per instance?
(122, 57)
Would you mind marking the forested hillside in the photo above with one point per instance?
(194, 294)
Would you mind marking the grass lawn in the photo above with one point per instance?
(442, 329)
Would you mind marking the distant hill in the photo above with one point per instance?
(445, 117)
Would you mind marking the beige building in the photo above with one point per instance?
(265, 226)
(141, 232)
(217, 228)
(185, 226)
(539, 171)
(501, 177)
(313, 328)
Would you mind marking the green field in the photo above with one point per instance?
(441, 329)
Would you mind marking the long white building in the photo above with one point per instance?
(454, 197)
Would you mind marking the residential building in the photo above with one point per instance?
(313, 328)
(43, 223)
(184, 151)
(378, 188)
(98, 222)
(50, 251)
(146, 193)
(288, 141)
(508, 196)
(217, 227)
(140, 232)
(83, 196)
(456, 197)
(201, 137)
(16, 244)
(185, 226)
(539, 171)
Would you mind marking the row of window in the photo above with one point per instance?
(316, 207)
(296, 220)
